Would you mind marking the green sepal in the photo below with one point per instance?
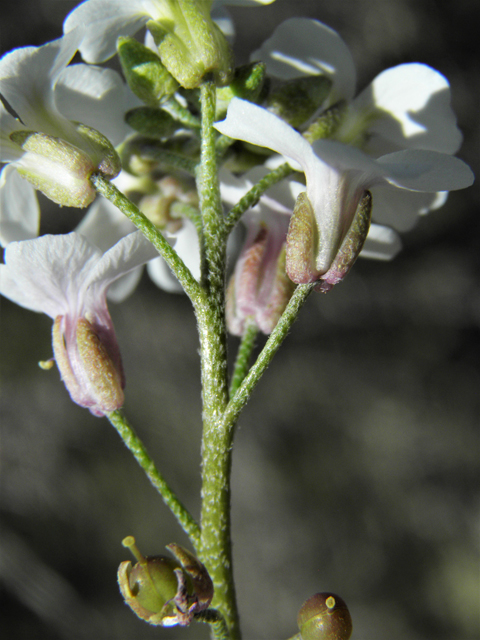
(297, 100)
(58, 169)
(151, 122)
(144, 72)
(327, 124)
(247, 83)
(107, 160)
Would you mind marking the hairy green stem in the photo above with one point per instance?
(242, 361)
(271, 347)
(133, 442)
(252, 196)
(215, 546)
(181, 114)
(217, 623)
(150, 231)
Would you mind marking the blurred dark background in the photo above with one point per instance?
(356, 465)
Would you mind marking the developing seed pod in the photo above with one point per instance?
(150, 586)
(324, 616)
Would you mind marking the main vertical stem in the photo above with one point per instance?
(215, 541)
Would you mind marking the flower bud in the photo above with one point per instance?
(158, 205)
(56, 168)
(326, 125)
(144, 72)
(259, 289)
(324, 616)
(61, 170)
(297, 100)
(190, 44)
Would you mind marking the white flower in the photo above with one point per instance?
(66, 277)
(337, 177)
(405, 107)
(46, 97)
(304, 47)
(104, 225)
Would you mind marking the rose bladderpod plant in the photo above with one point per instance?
(67, 277)
(405, 107)
(331, 219)
(43, 102)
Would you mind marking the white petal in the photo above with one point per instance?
(188, 248)
(382, 243)
(302, 46)
(129, 252)
(429, 171)
(28, 76)
(161, 275)
(19, 208)
(35, 275)
(401, 209)
(96, 97)
(105, 21)
(248, 122)
(120, 289)
(411, 104)
(224, 21)
(104, 225)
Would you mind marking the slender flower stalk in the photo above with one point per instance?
(136, 446)
(242, 362)
(278, 335)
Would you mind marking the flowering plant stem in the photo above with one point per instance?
(221, 409)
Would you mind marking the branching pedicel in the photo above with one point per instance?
(178, 127)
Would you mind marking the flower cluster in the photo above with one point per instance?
(319, 174)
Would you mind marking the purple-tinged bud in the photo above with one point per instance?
(304, 244)
(351, 246)
(89, 362)
(324, 616)
(259, 289)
